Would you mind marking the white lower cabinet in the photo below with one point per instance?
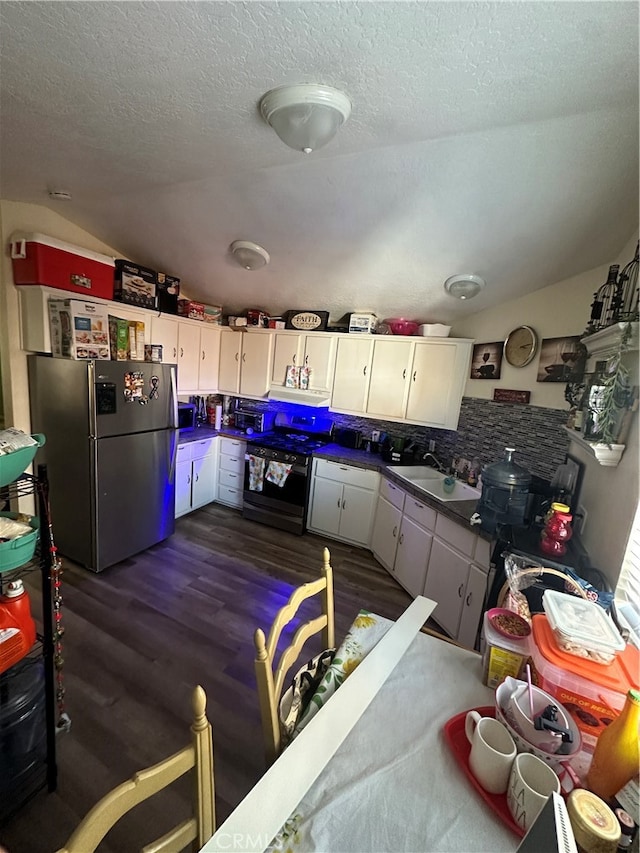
(430, 554)
(343, 500)
(195, 475)
(401, 538)
(231, 471)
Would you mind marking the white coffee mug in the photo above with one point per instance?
(492, 751)
(531, 783)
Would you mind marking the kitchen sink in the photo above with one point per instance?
(430, 481)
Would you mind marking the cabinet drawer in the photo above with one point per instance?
(346, 474)
(456, 535)
(232, 446)
(183, 453)
(230, 478)
(229, 496)
(230, 462)
(483, 553)
(393, 493)
(201, 448)
(420, 513)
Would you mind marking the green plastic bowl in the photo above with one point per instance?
(18, 551)
(16, 463)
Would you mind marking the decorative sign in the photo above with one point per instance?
(307, 321)
(504, 395)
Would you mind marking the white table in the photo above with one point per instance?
(392, 784)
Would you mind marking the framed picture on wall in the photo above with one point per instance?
(558, 359)
(486, 361)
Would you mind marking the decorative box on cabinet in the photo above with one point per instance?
(231, 471)
(342, 501)
(195, 475)
(27, 739)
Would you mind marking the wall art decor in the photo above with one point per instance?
(486, 361)
(506, 395)
(559, 359)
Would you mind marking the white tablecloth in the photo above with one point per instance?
(394, 785)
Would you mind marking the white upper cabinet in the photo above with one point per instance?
(317, 352)
(246, 360)
(351, 378)
(188, 357)
(164, 331)
(209, 358)
(436, 384)
(389, 373)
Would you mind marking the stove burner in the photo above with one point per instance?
(292, 442)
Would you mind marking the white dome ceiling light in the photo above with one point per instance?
(249, 255)
(306, 116)
(464, 286)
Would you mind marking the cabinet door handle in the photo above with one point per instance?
(401, 539)
(189, 478)
(342, 468)
(338, 503)
(395, 530)
(244, 356)
(197, 477)
(414, 375)
(232, 476)
(203, 355)
(294, 359)
(344, 503)
(181, 353)
(364, 370)
(460, 590)
(306, 360)
(237, 356)
(468, 601)
(175, 352)
(420, 506)
(404, 373)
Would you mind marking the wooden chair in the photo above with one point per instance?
(270, 680)
(196, 830)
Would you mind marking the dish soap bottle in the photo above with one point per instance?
(17, 628)
(617, 754)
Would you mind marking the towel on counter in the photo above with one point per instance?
(277, 472)
(256, 473)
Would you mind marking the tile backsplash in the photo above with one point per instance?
(485, 428)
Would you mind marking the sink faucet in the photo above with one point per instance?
(437, 464)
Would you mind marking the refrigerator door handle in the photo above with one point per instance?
(172, 461)
(91, 381)
(174, 398)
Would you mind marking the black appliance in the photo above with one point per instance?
(398, 450)
(505, 492)
(348, 438)
(273, 499)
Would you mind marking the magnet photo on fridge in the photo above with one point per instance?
(486, 361)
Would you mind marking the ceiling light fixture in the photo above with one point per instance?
(464, 286)
(306, 116)
(249, 255)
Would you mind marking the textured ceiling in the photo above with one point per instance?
(494, 138)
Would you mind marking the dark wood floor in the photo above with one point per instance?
(138, 638)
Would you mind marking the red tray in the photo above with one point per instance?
(456, 738)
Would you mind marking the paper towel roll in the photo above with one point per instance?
(218, 416)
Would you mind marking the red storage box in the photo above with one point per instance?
(39, 259)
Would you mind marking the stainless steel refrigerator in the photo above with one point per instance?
(110, 452)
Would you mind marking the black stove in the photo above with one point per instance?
(276, 490)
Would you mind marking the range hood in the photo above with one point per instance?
(281, 394)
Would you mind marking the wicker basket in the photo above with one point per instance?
(538, 571)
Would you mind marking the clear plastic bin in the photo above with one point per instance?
(582, 628)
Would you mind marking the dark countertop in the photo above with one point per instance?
(458, 511)
(186, 436)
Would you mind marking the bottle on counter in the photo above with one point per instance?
(617, 754)
(557, 530)
(627, 810)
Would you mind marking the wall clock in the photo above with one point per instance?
(520, 346)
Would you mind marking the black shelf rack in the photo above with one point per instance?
(43, 773)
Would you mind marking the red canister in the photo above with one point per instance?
(557, 531)
(17, 628)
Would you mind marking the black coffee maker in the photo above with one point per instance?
(505, 493)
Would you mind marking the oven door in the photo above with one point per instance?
(282, 505)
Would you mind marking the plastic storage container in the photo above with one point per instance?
(16, 463)
(505, 492)
(582, 628)
(593, 694)
(16, 552)
(502, 655)
(434, 330)
(22, 729)
(39, 259)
